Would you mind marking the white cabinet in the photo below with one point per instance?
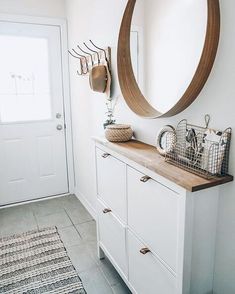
(153, 213)
(111, 182)
(158, 235)
(112, 236)
(146, 273)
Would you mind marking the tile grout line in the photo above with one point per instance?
(111, 285)
(89, 221)
(73, 224)
(80, 223)
(35, 219)
(106, 279)
(48, 214)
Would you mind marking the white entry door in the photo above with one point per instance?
(32, 129)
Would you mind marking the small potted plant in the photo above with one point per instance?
(110, 104)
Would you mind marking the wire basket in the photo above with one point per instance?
(200, 150)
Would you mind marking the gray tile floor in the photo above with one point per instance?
(78, 232)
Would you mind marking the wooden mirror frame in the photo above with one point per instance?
(129, 87)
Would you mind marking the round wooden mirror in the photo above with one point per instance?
(185, 20)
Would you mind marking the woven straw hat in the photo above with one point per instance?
(100, 79)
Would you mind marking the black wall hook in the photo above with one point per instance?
(83, 56)
(93, 52)
(92, 61)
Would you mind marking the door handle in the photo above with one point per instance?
(59, 127)
(105, 155)
(107, 210)
(144, 251)
(145, 179)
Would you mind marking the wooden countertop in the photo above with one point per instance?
(148, 156)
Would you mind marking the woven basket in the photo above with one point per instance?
(118, 133)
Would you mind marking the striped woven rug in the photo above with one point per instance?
(37, 262)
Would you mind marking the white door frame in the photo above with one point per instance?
(62, 24)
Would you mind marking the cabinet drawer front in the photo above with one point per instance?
(112, 236)
(153, 214)
(146, 273)
(111, 182)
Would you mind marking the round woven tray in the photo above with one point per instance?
(118, 133)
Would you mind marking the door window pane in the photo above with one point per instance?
(25, 79)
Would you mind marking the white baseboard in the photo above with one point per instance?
(33, 200)
(87, 205)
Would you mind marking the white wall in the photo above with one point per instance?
(100, 20)
(48, 8)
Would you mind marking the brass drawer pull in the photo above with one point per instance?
(144, 251)
(145, 179)
(105, 155)
(107, 210)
